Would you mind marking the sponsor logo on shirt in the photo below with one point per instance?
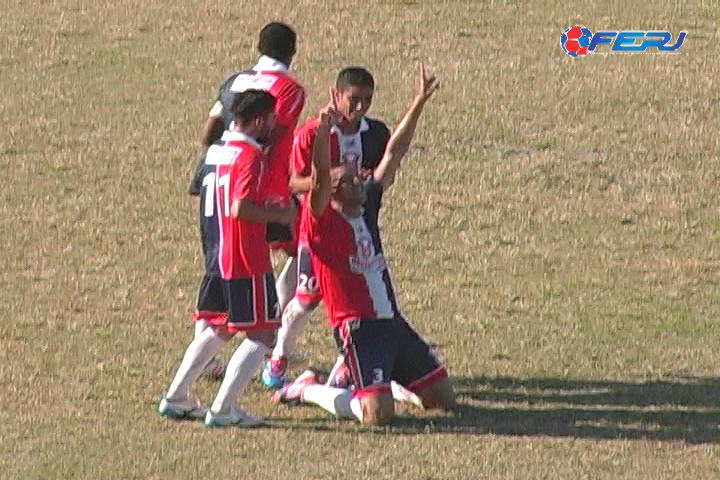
(365, 260)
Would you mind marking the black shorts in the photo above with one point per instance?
(210, 303)
(279, 232)
(252, 303)
(378, 351)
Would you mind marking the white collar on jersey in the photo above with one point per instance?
(230, 136)
(269, 64)
(364, 127)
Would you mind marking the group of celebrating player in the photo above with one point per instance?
(315, 193)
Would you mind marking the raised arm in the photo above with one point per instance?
(321, 185)
(400, 141)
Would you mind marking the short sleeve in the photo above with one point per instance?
(197, 180)
(217, 109)
(301, 154)
(290, 103)
(245, 177)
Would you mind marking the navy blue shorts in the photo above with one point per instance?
(380, 351)
(210, 303)
(307, 288)
(252, 303)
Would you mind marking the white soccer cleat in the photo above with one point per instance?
(188, 408)
(235, 417)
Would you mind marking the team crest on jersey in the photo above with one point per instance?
(364, 248)
(364, 260)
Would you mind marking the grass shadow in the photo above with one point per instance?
(685, 410)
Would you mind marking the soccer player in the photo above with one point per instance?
(277, 44)
(210, 302)
(340, 223)
(356, 140)
(241, 199)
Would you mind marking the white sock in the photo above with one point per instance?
(338, 401)
(200, 327)
(294, 319)
(197, 355)
(402, 394)
(286, 283)
(239, 371)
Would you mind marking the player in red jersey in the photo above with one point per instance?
(242, 203)
(356, 139)
(340, 223)
(277, 44)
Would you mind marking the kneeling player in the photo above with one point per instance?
(356, 139)
(340, 223)
(240, 196)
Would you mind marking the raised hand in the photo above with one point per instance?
(329, 114)
(425, 85)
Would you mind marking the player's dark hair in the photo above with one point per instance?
(354, 76)
(251, 104)
(277, 40)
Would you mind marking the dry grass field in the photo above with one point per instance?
(556, 228)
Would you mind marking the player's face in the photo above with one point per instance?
(355, 101)
(265, 126)
(349, 187)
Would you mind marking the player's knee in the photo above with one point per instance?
(267, 337)
(439, 396)
(377, 410)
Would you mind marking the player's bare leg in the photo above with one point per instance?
(438, 396)
(376, 408)
(177, 402)
(239, 372)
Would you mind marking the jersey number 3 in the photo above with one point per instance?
(209, 185)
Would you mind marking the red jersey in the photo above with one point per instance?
(240, 173)
(273, 77)
(364, 149)
(348, 261)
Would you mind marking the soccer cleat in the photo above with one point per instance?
(273, 374)
(291, 394)
(339, 376)
(215, 369)
(189, 408)
(236, 417)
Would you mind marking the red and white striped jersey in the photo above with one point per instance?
(348, 261)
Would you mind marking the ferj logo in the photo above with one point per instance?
(578, 41)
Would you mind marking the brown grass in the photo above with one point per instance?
(555, 229)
